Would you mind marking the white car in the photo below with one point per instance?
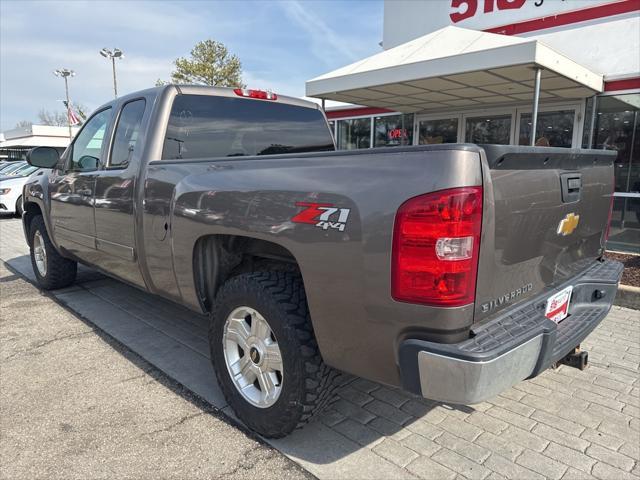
(11, 189)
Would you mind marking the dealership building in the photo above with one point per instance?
(14, 144)
(494, 71)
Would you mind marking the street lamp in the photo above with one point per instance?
(113, 54)
(65, 73)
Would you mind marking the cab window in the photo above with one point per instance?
(87, 147)
(127, 133)
(206, 126)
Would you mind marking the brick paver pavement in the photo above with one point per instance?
(564, 424)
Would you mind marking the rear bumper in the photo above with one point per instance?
(520, 343)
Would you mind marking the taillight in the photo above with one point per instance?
(261, 94)
(436, 241)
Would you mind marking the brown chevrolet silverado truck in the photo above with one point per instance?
(452, 271)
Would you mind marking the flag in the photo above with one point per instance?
(73, 118)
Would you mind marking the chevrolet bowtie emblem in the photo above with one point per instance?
(568, 224)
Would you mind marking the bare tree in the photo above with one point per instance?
(57, 119)
(24, 124)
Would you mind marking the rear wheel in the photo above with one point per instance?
(265, 354)
(51, 269)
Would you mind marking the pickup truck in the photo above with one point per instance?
(452, 271)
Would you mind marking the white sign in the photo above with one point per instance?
(408, 19)
(484, 14)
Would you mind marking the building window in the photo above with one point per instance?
(354, 133)
(488, 129)
(393, 130)
(437, 131)
(617, 127)
(554, 129)
(332, 128)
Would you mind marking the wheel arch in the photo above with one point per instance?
(218, 257)
(30, 211)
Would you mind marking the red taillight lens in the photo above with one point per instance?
(261, 94)
(436, 241)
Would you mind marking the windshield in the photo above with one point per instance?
(13, 167)
(24, 171)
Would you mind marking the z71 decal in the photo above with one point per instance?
(322, 215)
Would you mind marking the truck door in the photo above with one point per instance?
(114, 196)
(72, 188)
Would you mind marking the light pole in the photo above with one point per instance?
(113, 54)
(65, 73)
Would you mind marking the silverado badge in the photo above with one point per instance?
(568, 224)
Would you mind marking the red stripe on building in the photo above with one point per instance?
(355, 112)
(586, 14)
(627, 84)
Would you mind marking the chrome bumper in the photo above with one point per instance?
(520, 343)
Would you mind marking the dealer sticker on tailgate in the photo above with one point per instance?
(558, 305)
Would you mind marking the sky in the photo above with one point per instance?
(281, 44)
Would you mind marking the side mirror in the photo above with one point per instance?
(44, 157)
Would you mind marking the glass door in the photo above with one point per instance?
(557, 127)
(494, 128)
(617, 128)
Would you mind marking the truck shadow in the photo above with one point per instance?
(170, 343)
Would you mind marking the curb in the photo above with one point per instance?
(628, 297)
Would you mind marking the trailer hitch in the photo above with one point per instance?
(576, 359)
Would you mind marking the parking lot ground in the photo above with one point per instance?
(564, 424)
(76, 404)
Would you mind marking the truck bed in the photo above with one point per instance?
(346, 273)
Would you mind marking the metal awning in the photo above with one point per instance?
(35, 141)
(458, 68)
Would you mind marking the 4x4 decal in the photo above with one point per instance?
(322, 215)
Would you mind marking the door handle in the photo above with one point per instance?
(84, 192)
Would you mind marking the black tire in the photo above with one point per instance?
(60, 272)
(19, 206)
(308, 383)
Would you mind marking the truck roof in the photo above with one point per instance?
(207, 90)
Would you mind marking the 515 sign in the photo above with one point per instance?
(465, 9)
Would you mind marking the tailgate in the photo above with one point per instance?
(545, 217)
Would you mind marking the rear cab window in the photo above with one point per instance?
(204, 126)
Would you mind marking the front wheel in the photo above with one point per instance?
(19, 206)
(265, 354)
(51, 269)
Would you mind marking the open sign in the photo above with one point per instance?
(397, 133)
